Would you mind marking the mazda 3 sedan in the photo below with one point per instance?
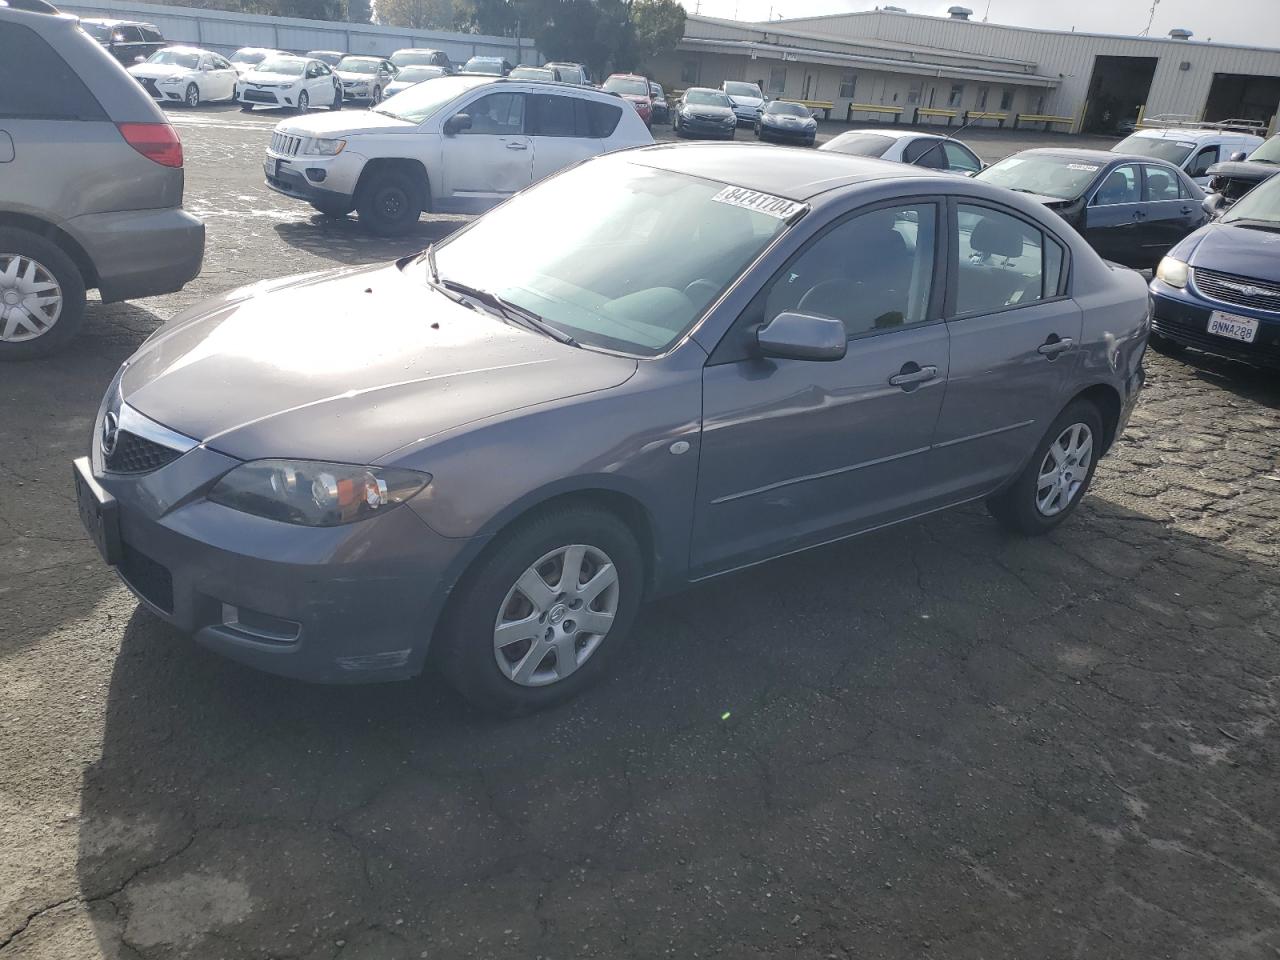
(493, 452)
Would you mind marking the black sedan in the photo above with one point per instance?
(786, 122)
(703, 112)
(1130, 209)
(1219, 289)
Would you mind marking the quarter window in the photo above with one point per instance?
(1003, 261)
(553, 117)
(601, 118)
(38, 83)
(872, 272)
(497, 114)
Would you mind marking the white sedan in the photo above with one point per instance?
(286, 81)
(905, 146)
(186, 75)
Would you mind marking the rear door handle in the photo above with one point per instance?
(517, 146)
(911, 374)
(1055, 345)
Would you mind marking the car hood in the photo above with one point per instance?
(159, 71)
(700, 110)
(344, 123)
(786, 120)
(347, 365)
(1235, 250)
(253, 76)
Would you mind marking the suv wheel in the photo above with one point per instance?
(193, 95)
(41, 295)
(390, 203)
(1056, 478)
(541, 614)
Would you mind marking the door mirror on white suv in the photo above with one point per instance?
(457, 123)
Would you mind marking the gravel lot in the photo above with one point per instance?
(940, 742)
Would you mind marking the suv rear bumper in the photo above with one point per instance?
(141, 253)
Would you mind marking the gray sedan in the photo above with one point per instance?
(493, 452)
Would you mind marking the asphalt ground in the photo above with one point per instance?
(933, 741)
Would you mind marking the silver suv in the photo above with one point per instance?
(90, 183)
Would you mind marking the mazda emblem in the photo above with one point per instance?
(110, 431)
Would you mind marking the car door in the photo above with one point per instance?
(558, 129)
(319, 84)
(222, 78)
(1169, 214)
(1015, 342)
(492, 159)
(1113, 218)
(798, 452)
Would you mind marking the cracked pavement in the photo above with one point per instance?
(942, 741)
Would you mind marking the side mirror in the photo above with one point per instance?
(139, 59)
(802, 336)
(457, 123)
(1238, 156)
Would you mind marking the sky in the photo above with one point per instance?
(1252, 22)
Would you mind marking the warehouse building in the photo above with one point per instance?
(888, 64)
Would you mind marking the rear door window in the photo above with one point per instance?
(925, 153)
(1160, 184)
(553, 116)
(38, 84)
(151, 36)
(1002, 261)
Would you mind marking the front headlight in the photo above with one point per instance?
(1173, 272)
(313, 493)
(172, 80)
(317, 147)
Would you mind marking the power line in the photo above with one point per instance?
(1151, 19)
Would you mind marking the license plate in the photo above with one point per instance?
(1233, 327)
(272, 168)
(99, 511)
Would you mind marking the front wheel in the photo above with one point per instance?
(192, 98)
(390, 203)
(41, 295)
(376, 98)
(246, 108)
(337, 98)
(304, 102)
(539, 617)
(1056, 478)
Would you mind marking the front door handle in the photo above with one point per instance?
(1186, 211)
(911, 375)
(517, 146)
(1055, 345)
(1139, 215)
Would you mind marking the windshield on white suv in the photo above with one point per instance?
(289, 66)
(737, 88)
(610, 280)
(424, 100)
(1173, 151)
(175, 58)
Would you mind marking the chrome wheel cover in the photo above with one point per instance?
(1064, 469)
(30, 298)
(556, 615)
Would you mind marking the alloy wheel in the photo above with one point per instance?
(556, 615)
(1064, 470)
(193, 95)
(30, 298)
(304, 101)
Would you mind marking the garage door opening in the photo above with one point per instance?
(1241, 96)
(1119, 86)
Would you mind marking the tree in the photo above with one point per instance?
(359, 11)
(658, 26)
(418, 14)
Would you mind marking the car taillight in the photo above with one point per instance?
(155, 141)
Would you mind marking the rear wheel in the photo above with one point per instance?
(1056, 478)
(390, 203)
(41, 296)
(543, 612)
(192, 98)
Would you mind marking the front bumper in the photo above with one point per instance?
(788, 134)
(267, 97)
(348, 604)
(357, 93)
(746, 115)
(1182, 315)
(325, 180)
(694, 127)
(141, 253)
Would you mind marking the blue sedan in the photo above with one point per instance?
(1219, 289)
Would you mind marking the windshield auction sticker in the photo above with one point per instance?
(764, 203)
(1087, 168)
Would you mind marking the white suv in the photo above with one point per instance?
(455, 145)
(1193, 149)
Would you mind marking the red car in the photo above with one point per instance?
(635, 88)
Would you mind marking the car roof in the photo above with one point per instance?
(1183, 133)
(891, 134)
(260, 50)
(798, 175)
(704, 90)
(629, 76)
(312, 53)
(416, 50)
(107, 22)
(362, 56)
(487, 57)
(1100, 157)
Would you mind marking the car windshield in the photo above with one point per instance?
(330, 57)
(414, 74)
(290, 66)
(357, 65)
(411, 58)
(423, 100)
(486, 65)
(632, 85)
(1063, 178)
(786, 109)
(706, 98)
(736, 88)
(1259, 205)
(1269, 152)
(98, 31)
(249, 57)
(531, 73)
(611, 280)
(860, 144)
(175, 58)
(1173, 151)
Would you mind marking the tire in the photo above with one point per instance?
(390, 203)
(18, 341)
(192, 96)
(304, 102)
(337, 98)
(376, 98)
(246, 108)
(1021, 507)
(467, 644)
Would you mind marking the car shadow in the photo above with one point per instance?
(1255, 384)
(47, 562)
(345, 241)
(932, 734)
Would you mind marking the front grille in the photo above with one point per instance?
(1240, 291)
(150, 579)
(135, 454)
(285, 145)
(260, 96)
(149, 85)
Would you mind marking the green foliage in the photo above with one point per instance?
(418, 14)
(658, 26)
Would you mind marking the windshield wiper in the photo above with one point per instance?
(513, 312)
